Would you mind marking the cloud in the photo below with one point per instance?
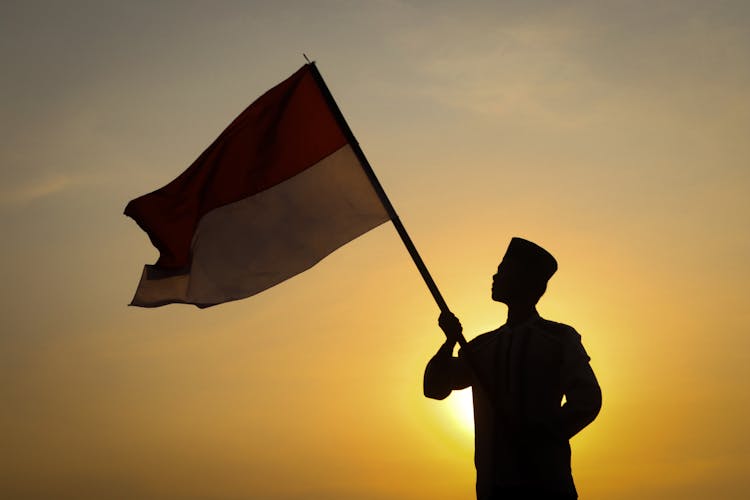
(554, 63)
(37, 189)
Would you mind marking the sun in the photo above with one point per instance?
(463, 409)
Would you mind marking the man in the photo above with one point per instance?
(519, 374)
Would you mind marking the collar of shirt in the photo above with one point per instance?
(528, 321)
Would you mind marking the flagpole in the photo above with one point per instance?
(400, 229)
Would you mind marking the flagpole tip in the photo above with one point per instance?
(306, 58)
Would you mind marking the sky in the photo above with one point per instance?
(614, 134)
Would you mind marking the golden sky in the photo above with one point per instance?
(612, 133)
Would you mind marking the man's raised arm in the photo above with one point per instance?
(445, 373)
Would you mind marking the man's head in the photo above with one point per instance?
(522, 275)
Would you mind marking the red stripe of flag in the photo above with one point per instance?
(286, 130)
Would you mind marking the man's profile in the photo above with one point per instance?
(519, 374)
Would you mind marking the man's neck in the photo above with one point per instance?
(518, 313)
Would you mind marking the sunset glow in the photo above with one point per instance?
(615, 134)
(463, 410)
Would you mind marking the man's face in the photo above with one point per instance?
(512, 283)
(505, 282)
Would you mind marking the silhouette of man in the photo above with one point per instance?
(519, 374)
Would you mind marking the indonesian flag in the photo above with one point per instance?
(275, 193)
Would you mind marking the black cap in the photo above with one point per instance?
(531, 258)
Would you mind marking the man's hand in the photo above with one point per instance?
(450, 325)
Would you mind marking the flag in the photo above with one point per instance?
(276, 192)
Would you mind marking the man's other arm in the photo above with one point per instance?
(583, 397)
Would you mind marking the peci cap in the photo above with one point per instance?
(531, 258)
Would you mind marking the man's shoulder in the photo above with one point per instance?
(483, 339)
(557, 331)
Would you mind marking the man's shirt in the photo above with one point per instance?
(519, 376)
